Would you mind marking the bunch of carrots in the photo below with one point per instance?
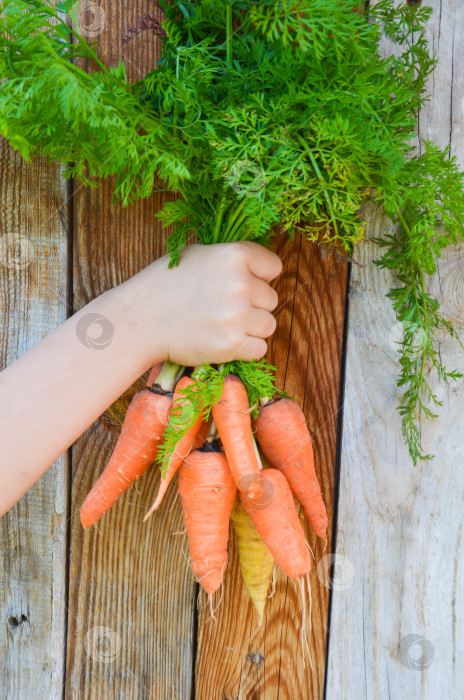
(221, 476)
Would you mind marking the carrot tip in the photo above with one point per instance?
(85, 520)
(154, 507)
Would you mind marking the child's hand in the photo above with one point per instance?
(214, 307)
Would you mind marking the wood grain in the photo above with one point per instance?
(234, 660)
(131, 598)
(33, 534)
(132, 603)
(395, 621)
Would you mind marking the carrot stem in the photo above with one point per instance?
(258, 457)
(213, 431)
(219, 217)
(229, 34)
(233, 218)
(236, 226)
(168, 377)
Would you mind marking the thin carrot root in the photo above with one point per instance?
(238, 410)
(221, 596)
(210, 598)
(301, 581)
(274, 576)
(309, 547)
(174, 501)
(310, 602)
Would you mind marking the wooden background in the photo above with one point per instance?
(115, 611)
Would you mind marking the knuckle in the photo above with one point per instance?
(240, 251)
(261, 349)
(230, 342)
(276, 262)
(273, 299)
(271, 324)
(241, 287)
(232, 316)
(265, 324)
(237, 342)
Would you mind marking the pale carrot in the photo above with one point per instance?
(256, 562)
(285, 440)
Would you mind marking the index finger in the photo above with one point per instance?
(263, 263)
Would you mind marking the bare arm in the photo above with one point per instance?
(216, 306)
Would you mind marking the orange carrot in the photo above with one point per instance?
(277, 521)
(182, 448)
(201, 435)
(232, 417)
(285, 440)
(136, 448)
(207, 491)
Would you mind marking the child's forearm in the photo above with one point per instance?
(215, 306)
(62, 385)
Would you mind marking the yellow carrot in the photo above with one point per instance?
(256, 561)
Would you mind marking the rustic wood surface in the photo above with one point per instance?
(135, 622)
(397, 608)
(234, 659)
(132, 618)
(131, 597)
(147, 641)
(137, 625)
(33, 553)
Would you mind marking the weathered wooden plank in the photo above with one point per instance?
(131, 598)
(395, 622)
(232, 661)
(33, 302)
